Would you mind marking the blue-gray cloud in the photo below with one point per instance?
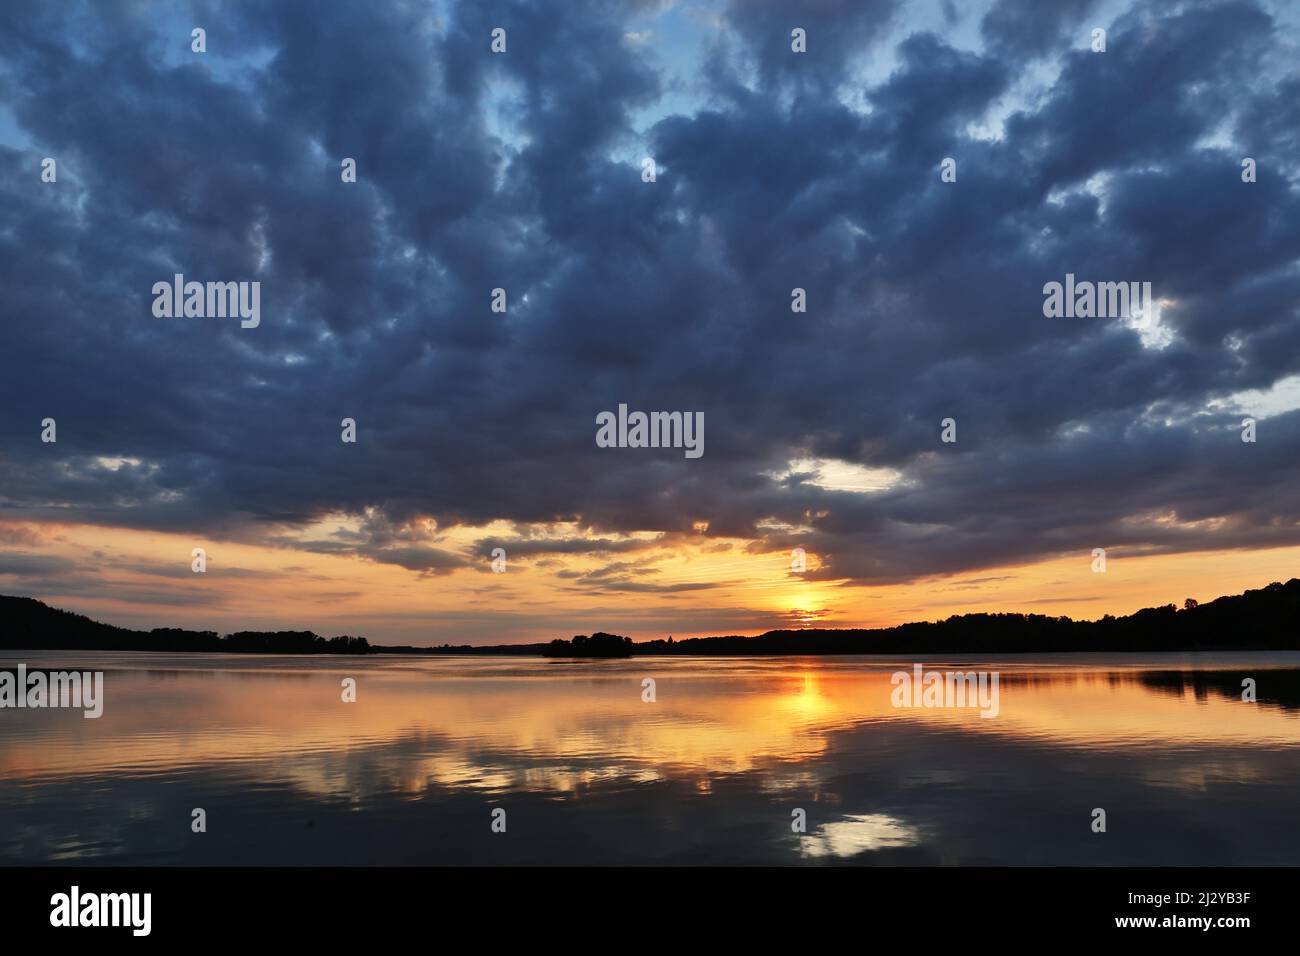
(520, 171)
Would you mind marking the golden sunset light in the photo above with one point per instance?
(482, 466)
(702, 586)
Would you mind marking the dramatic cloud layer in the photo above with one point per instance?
(776, 170)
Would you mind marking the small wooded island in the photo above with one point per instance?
(599, 644)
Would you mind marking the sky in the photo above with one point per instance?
(525, 170)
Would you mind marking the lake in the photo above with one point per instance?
(719, 767)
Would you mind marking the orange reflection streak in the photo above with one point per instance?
(466, 722)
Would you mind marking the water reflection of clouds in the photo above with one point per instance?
(858, 833)
(709, 773)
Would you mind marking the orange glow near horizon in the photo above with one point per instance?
(685, 586)
(788, 712)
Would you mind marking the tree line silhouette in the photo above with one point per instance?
(28, 624)
(1263, 619)
(599, 644)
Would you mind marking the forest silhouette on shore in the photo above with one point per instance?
(28, 624)
(1263, 619)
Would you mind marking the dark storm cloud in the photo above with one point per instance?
(838, 33)
(517, 171)
(1026, 27)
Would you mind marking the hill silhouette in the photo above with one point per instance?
(1262, 619)
(1259, 620)
(28, 624)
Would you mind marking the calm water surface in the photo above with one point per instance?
(709, 773)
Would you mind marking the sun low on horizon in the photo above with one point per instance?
(684, 585)
(652, 320)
